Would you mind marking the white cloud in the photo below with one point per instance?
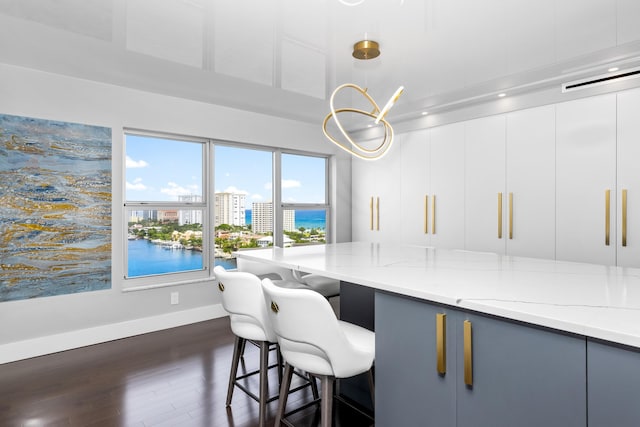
(291, 183)
(268, 186)
(232, 189)
(256, 197)
(137, 185)
(131, 164)
(176, 190)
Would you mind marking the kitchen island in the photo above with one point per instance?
(467, 338)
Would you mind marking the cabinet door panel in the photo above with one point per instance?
(414, 186)
(522, 376)
(531, 181)
(363, 186)
(409, 390)
(614, 385)
(447, 186)
(484, 179)
(585, 169)
(629, 177)
(387, 179)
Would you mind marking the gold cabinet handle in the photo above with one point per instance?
(441, 343)
(468, 354)
(510, 215)
(433, 214)
(607, 217)
(499, 215)
(378, 213)
(371, 213)
(426, 216)
(624, 217)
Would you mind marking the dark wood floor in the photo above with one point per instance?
(176, 377)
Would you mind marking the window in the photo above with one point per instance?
(243, 201)
(165, 207)
(304, 198)
(190, 203)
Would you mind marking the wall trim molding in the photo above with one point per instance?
(41, 346)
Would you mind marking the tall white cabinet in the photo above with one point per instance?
(628, 179)
(484, 184)
(529, 200)
(431, 211)
(376, 198)
(586, 180)
(414, 210)
(447, 172)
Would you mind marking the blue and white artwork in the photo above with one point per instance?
(55, 208)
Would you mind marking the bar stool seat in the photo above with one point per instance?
(312, 339)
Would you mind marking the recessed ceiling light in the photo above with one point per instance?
(502, 95)
(351, 3)
(424, 113)
(612, 69)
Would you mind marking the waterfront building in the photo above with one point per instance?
(229, 209)
(262, 218)
(191, 216)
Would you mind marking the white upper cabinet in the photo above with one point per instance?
(414, 187)
(446, 192)
(628, 179)
(530, 194)
(586, 180)
(485, 184)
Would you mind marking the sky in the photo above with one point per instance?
(161, 170)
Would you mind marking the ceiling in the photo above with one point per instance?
(285, 57)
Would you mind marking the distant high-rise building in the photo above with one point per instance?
(262, 218)
(230, 209)
(191, 216)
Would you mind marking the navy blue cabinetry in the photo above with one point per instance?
(520, 375)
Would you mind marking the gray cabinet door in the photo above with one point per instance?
(409, 390)
(522, 376)
(614, 385)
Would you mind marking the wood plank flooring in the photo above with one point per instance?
(176, 377)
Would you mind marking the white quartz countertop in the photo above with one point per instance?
(593, 300)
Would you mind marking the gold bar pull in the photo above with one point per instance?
(499, 215)
(607, 217)
(441, 343)
(433, 214)
(378, 213)
(468, 354)
(371, 213)
(510, 215)
(426, 216)
(624, 217)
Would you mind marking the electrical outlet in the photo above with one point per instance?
(175, 298)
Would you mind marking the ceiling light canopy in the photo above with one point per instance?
(366, 49)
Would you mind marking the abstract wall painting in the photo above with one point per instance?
(55, 208)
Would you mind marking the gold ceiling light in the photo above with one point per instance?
(366, 49)
(364, 152)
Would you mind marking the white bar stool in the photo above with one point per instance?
(243, 299)
(312, 339)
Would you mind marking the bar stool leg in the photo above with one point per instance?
(237, 351)
(372, 388)
(284, 393)
(264, 383)
(326, 404)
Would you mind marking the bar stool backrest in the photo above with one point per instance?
(243, 299)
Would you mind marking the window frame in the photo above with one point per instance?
(208, 206)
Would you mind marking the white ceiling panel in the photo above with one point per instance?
(244, 39)
(171, 30)
(303, 70)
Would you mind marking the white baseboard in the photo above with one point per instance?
(83, 337)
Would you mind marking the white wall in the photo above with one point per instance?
(44, 325)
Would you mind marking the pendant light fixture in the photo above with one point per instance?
(365, 49)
